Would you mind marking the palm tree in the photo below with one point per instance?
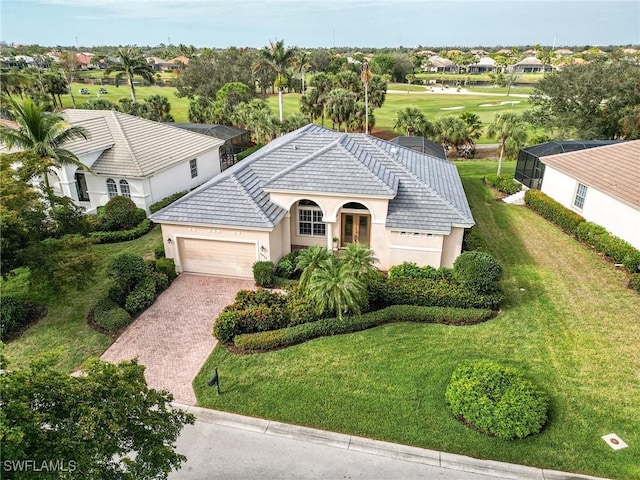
(308, 261)
(335, 287)
(69, 64)
(302, 62)
(507, 126)
(321, 84)
(450, 131)
(278, 57)
(131, 64)
(366, 76)
(340, 107)
(410, 120)
(44, 134)
(360, 259)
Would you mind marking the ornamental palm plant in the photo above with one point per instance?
(131, 64)
(44, 134)
(308, 261)
(360, 259)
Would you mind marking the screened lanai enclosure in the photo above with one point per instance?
(530, 170)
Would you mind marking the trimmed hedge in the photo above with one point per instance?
(477, 271)
(566, 219)
(264, 274)
(122, 235)
(168, 267)
(594, 235)
(141, 297)
(496, 400)
(165, 202)
(108, 315)
(158, 251)
(245, 153)
(503, 184)
(285, 337)
(121, 213)
(412, 270)
(13, 315)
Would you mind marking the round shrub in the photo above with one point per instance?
(224, 328)
(168, 267)
(120, 213)
(158, 251)
(141, 297)
(13, 314)
(161, 281)
(264, 274)
(477, 271)
(634, 282)
(128, 269)
(496, 400)
(110, 316)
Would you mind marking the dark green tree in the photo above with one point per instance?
(131, 64)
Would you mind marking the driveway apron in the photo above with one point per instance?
(173, 338)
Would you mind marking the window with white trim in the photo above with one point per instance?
(581, 194)
(112, 189)
(310, 221)
(193, 166)
(125, 191)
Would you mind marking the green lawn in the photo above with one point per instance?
(65, 326)
(569, 323)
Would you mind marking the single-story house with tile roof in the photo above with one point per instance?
(484, 65)
(133, 157)
(530, 65)
(315, 186)
(602, 184)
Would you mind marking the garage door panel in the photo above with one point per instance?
(217, 257)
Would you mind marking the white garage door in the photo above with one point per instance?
(216, 257)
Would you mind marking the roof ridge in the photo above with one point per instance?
(248, 196)
(369, 157)
(423, 182)
(115, 114)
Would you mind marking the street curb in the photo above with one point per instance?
(375, 447)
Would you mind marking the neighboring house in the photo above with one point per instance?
(133, 157)
(312, 185)
(422, 145)
(530, 65)
(484, 65)
(530, 169)
(563, 52)
(439, 65)
(602, 184)
(160, 64)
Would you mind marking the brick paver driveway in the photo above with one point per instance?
(172, 339)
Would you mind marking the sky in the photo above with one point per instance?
(321, 23)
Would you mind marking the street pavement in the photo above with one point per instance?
(227, 446)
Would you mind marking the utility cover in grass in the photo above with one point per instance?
(496, 400)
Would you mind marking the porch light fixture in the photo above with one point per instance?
(262, 249)
(169, 241)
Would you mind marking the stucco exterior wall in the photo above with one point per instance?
(451, 247)
(619, 218)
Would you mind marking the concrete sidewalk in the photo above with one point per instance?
(265, 447)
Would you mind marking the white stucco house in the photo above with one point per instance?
(315, 186)
(130, 156)
(602, 184)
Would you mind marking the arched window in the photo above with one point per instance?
(310, 219)
(125, 191)
(112, 189)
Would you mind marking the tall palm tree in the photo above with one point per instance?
(334, 286)
(279, 58)
(507, 126)
(366, 76)
(131, 64)
(340, 107)
(410, 120)
(69, 64)
(44, 134)
(321, 84)
(302, 63)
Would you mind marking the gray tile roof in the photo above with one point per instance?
(425, 192)
(140, 147)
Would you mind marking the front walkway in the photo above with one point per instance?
(173, 338)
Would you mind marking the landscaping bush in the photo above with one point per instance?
(503, 184)
(141, 297)
(411, 270)
(120, 213)
(224, 328)
(477, 271)
(286, 266)
(270, 340)
(496, 400)
(123, 235)
(301, 308)
(255, 298)
(613, 247)
(634, 282)
(158, 251)
(245, 153)
(168, 267)
(108, 315)
(154, 207)
(161, 281)
(117, 294)
(422, 292)
(264, 274)
(566, 219)
(71, 219)
(13, 315)
(128, 270)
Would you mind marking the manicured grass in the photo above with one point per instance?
(406, 87)
(65, 326)
(569, 323)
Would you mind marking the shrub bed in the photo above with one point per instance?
(13, 315)
(122, 235)
(566, 219)
(503, 184)
(264, 274)
(168, 267)
(121, 213)
(110, 316)
(496, 400)
(245, 153)
(477, 271)
(285, 337)
(165, 202)
(286, 266)
(411, 270)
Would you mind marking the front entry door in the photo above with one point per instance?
(81, 187)
(355, 228)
